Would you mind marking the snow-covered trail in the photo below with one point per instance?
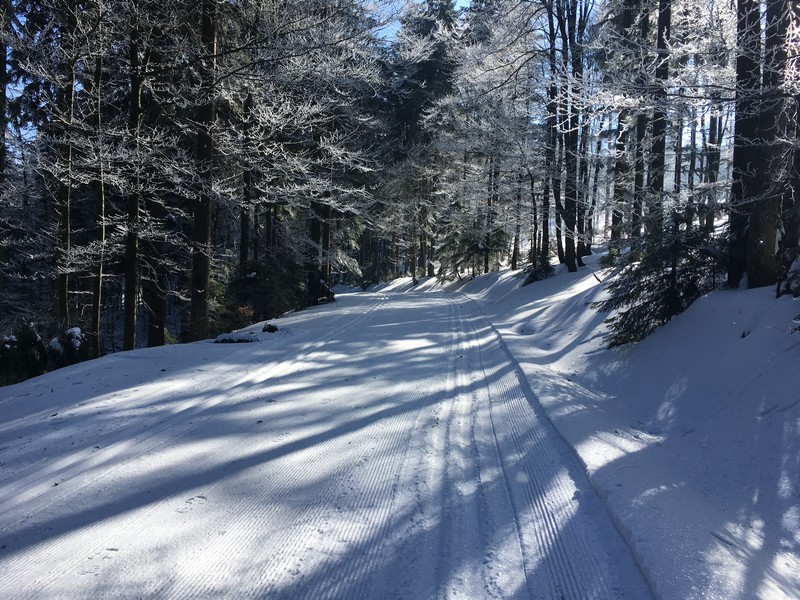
(383, 447)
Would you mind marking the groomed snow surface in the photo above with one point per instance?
(415, 442)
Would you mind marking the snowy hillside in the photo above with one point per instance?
(415, 442)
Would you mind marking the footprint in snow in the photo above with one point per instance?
(93, 563)
(192, 503)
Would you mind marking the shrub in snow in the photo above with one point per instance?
(659, 278)
(537, 272)
(236, 338)
(789, 282)
(22, 355)
(69, 348)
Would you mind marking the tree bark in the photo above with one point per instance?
(99, 189)
(762, 264)
(745, 151)
(131, 302)
(199, 327)
(247, 192)
(658, 153)
(5, 17)
(66, 106)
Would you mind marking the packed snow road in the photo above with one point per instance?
(381, 447)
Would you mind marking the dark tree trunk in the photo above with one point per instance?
(154, 288)
(314, 258)
(571, 59)
(637, 212)
(745, 151)
(552, 155)
(712, 165)
(517, 225)
(326, 245)
(431, 248)
(658, 154)
(247, 194)
(201, 233)
(65, 104)
(131, 303)
(5, 17)
(99, 192)
(791, 211)
(762, 264)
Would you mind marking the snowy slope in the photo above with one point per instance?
(479, 442)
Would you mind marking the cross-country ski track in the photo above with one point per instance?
(385, 446)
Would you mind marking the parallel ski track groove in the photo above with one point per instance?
(488, 460)
(567, 577)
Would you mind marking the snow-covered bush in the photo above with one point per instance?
(69, 348)
(790, 282)
(236, 338)
(658, 279)
(22, 355)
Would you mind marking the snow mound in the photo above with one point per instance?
(236, 337)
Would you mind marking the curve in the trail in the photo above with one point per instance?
(395, 452)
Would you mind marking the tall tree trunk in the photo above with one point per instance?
(791, 212)
(762, 265)
(713, 160)
(5, 18)
(658, 154)
(326, 244)
(65, 106)
(99, 192)
(552, 151)
(431, 249)
(677, 181)
(567, 15)
(582, 207)
(247, 192)
(314, 257)
(745, 151)
(598, 148)
(539, 233)
(691, 171)
(641, 133)
(154, 287)
(201, 233)
(131, 303)
(517, 224)
(622, 170)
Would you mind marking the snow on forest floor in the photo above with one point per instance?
(479, 443)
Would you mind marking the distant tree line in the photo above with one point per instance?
(174, 170)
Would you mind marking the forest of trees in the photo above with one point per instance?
(171, 170)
